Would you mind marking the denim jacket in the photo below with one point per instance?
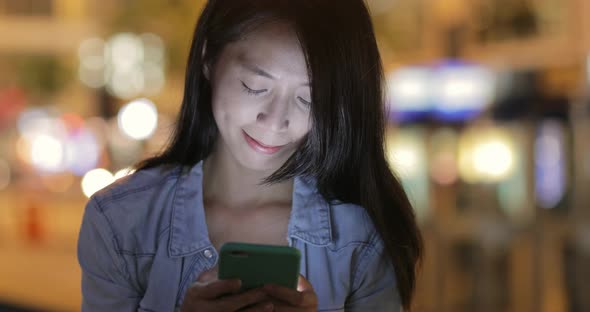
(144, 241)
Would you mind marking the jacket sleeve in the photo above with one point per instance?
(105, 284)
(374, 287)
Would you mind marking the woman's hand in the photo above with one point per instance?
(289, 300)
(221, 295)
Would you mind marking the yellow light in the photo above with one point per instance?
(486, 155)
(138, 119)
(493, 160)
(95, 180)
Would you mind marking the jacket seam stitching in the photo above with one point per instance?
(122, 268)
(349, 244)
(185, 279)
(144, 254)
(365, 256)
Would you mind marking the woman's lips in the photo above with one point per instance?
(265, 149)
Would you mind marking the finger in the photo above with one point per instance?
(290, 296)
(260, 307)
(216, 288)
(242, 300)
(303, 284)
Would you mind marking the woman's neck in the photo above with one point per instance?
(227, 183)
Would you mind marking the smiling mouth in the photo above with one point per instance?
(260, 147)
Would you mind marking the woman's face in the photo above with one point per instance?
(261, 98)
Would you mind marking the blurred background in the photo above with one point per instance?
(489, 131)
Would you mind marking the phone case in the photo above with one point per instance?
(256, 265)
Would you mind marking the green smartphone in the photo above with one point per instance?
(256, 265)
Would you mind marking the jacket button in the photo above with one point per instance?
(208, 253)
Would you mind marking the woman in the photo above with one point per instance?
(279, 141)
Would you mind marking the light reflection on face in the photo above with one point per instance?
(261, 98)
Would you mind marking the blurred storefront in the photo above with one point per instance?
(489, 131)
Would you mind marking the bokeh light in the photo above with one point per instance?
(550, 179)
(406, 149)
(409, 90)
(92, 62)
(82, 151)
(405, 157)
(138, 119)
(48, 153)
(486, 155)
(493, 159)
(462, 91)
(127, 64)
(95, 180)
(123, 173)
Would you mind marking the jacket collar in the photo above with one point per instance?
(310, 214)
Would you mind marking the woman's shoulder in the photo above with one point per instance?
(141, 181)
(352, 225)
(136, 205)
(341, 223)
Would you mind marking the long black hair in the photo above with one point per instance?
(344, 149)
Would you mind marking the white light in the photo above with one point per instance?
(463, 88)
(125, 51)
(409, 89)
(92, 54)
(95, 180)
(92, 77)
(33, 122)
(406, 154)
(92, 62)
(126, 83)
(405, 159)
(458, 90)
(138, 119)
(47, 153)
(493, 160)
(123, 173)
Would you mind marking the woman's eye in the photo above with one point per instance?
(252, 91)
(307, 103)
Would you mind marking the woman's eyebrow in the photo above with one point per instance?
(257, 70)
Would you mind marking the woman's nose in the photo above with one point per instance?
(275, 116)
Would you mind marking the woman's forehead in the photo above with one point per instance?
(270, 53)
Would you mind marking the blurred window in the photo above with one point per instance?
(27, 7)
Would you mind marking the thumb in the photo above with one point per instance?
(303, 284)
